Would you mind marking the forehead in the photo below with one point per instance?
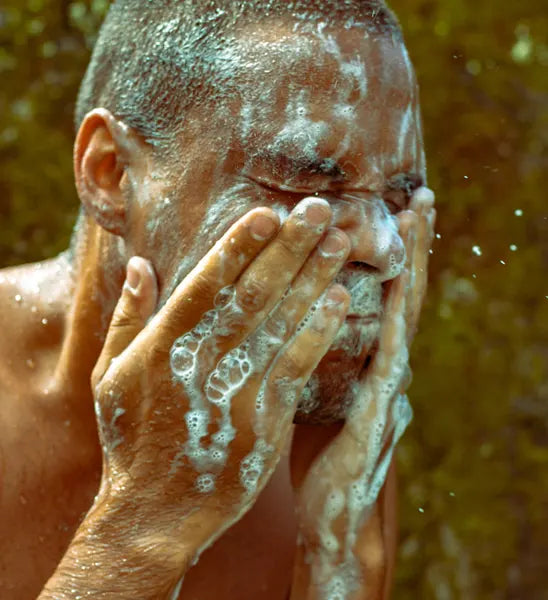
(330, 92)
(335, 62)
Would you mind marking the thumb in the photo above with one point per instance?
(136, 304)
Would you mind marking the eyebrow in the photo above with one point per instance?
(405, 182)
(290, 167)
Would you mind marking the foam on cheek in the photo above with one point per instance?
(405, 131)
(230, 203)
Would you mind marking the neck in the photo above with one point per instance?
(98, 272)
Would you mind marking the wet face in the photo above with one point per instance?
(332, 113)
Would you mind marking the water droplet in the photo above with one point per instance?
(476, 250)
(18, 298)
(466, 177)
(502, 262)
(513, 247)
(421, 510)
(452, 494)
(518, 212)
(474, 276)
(33, 309)
(438, 236)
(431, 251)
(44, 321)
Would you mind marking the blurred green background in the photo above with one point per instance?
(474, 464)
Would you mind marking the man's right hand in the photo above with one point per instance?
(195, 406)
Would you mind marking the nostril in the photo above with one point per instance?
(357, 265)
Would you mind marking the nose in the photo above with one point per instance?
(373, 232)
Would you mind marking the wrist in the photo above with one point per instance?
(119, 552)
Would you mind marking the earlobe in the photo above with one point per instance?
(100, 158)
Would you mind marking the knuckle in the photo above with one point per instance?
(292, 364)
(276, 328)
(289, 248)
(124, 318)
(252, 295)
(203, 285)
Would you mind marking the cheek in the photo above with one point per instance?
(193, 231)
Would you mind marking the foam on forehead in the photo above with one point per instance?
(155, 59)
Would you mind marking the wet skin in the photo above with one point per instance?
(358, 138)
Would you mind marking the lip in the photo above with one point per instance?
(363, 318)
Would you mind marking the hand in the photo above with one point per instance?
(194, 407)
(339, 472)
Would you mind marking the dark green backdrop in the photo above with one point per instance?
(474, 464)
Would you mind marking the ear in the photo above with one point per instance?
(101, 154)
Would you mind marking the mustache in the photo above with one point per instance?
(364, 287)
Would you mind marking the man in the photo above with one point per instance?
(251, 252)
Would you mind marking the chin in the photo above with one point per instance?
(328, 394)
(330, 390)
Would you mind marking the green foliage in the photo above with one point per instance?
(475, 461)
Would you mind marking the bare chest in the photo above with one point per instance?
(41, 509)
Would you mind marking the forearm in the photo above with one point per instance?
(361, 575)
(373, 557)
(115, 555)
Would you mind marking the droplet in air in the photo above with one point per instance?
(476, 250)
(513, 247)
(438, 236)
(33, 309)
(502, 262)
(44, 321)
(421, 510)
(18, 298)
(518, 212)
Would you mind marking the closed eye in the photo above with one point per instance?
(399, 190)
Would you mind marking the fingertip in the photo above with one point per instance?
(142, 283)
(337, 297)
(423, 199)
(263, 224)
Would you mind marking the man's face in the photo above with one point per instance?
(333, 113)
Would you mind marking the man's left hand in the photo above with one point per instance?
(338, 471)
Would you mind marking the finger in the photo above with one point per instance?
(136, 304)
(316, 274)
(421, 253)
(267, 279)
(423, 200)
(264, 283)
(294, 365)
(391, 355)
(217, 270)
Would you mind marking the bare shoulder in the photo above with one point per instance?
(30, 297)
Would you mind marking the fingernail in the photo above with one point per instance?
(332, 244)
(317, 213)
(335, 296)
(133, 277)
(426, 197)
(262, 227)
